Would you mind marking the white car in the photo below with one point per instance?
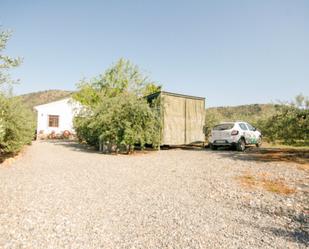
(234, 134)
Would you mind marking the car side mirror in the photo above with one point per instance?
(254, 128)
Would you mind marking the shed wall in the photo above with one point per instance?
(173, 120)
(183, 120)
(195, 118)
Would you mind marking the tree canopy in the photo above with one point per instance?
(6, 62)
(123, 77)
(115, 113)
(16, 122)
(290, 124)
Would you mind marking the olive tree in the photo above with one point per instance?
(290, 124)
(6, 62)
(115, 113)
(16, 122)
(122, 77)
(16, 125)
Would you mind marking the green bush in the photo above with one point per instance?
(16, 122)
(16, 125)
(290, 125)
(115, 114)
(123, 77)
(120, 122)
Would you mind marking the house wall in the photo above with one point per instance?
(65, 109)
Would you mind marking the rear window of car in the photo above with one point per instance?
(222, 127)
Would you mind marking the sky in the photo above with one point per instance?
(230, 52)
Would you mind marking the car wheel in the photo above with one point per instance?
(213, 147)
(241, 145)
(259, 143)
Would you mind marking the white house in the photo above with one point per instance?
(56, 116)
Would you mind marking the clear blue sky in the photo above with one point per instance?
(231, 52)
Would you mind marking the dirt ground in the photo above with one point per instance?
(61, 194)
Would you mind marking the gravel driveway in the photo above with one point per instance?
(59, 195)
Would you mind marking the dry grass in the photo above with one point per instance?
(263, 181)
(247, 180)
(277, 186)
(284, 146)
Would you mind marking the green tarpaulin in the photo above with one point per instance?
(182, 118)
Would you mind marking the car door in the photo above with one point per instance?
(253, 135)
(246, 132)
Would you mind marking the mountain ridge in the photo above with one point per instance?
(42, 97)
(224, 113)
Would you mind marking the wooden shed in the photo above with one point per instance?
(183, 117)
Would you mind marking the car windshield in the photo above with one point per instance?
(222, 127)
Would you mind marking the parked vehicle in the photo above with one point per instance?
(234, 134)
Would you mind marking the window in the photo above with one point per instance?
(243, 126)
(53, 120)
(251, 128)
(222, 127)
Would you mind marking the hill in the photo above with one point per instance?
(248, 113)
(43, 97)
(225, 113)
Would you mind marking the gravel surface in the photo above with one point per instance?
(59, 195)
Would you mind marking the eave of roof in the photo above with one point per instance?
(174, 95)
(59, 100)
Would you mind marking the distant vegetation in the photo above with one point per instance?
(38, 98)
(252, 112)
(290, 124)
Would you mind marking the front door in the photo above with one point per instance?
(253, 135)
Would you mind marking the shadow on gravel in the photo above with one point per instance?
(296, 229)
(73, 145)
(184, 147)
(90, 149)
(297, 235)
(251, 153)
(76, 146)
(3, 157)
(270, 155)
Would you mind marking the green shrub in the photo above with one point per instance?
(16, 122)
(120, 122)
(121, 78)
(115, 114)
(16, 125)
(290, 125)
